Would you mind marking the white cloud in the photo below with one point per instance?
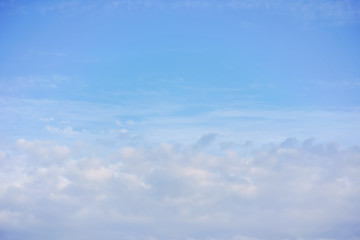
(47, 119)
(89, 119)
(63, 183)
(337, 11)
(100, 174)
(118, 123)
(67, 131)
(44, 151)
(278, 190)
(2, 156)
(130, 122)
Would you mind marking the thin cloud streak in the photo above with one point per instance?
(168, 122)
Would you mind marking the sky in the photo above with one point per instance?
(180, 119)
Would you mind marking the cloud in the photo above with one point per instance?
(85, 120)
(67, 131)
(45, 151)
(2, 155)
(289, 190)
(28, 83)
(47, 119)
(61, 6)
(336, 12)
(205, 140)
(118, 123)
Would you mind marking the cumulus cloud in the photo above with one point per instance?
(289, 190)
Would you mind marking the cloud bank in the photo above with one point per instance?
(290, 190)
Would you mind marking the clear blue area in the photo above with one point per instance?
(179, 58)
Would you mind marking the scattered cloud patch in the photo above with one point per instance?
(67, 131)
(118, 123)
(47, 119)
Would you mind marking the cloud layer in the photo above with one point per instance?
(290, 190)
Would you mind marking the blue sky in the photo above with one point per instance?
(180, 119)
(181, 58)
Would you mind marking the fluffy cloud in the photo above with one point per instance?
(291, 190)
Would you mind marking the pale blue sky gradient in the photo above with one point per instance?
(182, 58)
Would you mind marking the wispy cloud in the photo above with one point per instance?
(166, 122)
(25, 84)
(338, 11)
(61, 6)
(67, 131)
